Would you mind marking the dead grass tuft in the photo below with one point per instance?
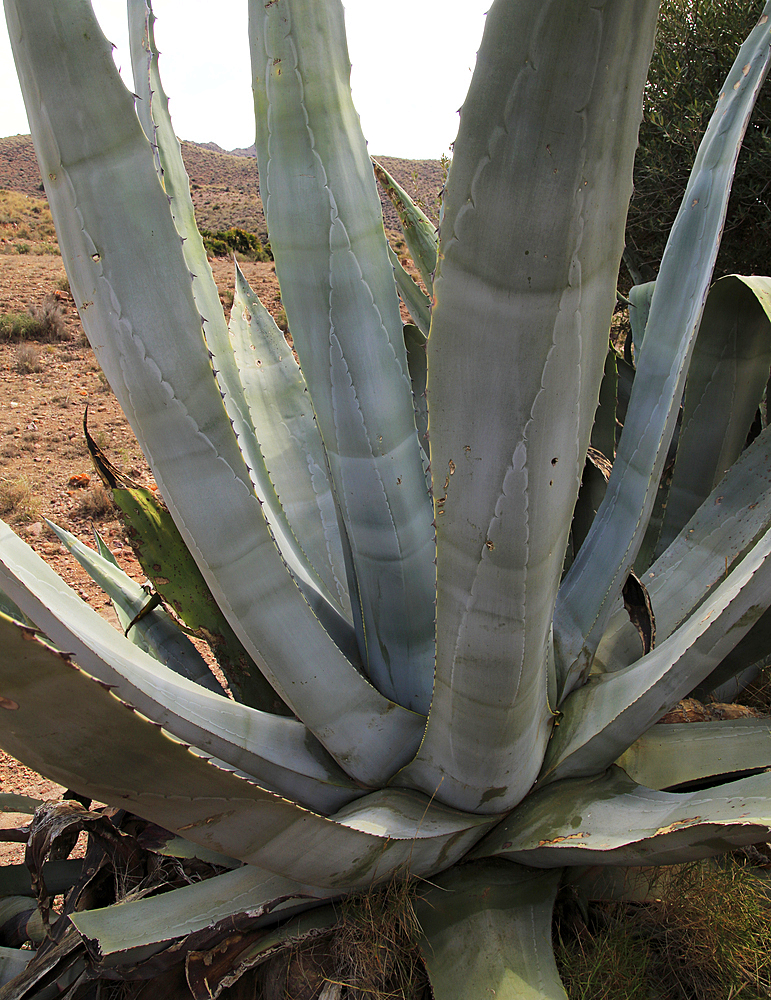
(28, 359)
(707, 938)
(95, 503)
(375, 948)
(17, 501)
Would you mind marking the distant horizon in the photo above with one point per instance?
(405, 105)
(240, 150)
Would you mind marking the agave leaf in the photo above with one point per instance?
(605, 716)
(155, 631)
(610, 820)
(598, 573)
(138, 927)
(277, 396)
(741, 666)
(10, 802)
(504, 493)
(43, 690)
(594, 482)
(604, 427)
(169, 565)
(276, 751)
(215, 329)
(125, 264)
(415, 342)
(207, 976)
(59, 877)
(669, 755)
(726, 381)
(12, 962)
(326, 233)
(727, 524)
(419, 231)
(639, 309)
(417, 302)
(506, 911)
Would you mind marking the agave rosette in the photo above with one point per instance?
(442, 697)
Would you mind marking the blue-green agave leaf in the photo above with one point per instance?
(534, 292)
(669, 755)
(610, 820)
(608, 713)
(741, 666)
(276, 395)
(726, 381)
(419, 231)
(506, 911)
(12, 962)
(117, 933)
(224, 811)
(326, 233)
(215, 329)
(639, 309)
(274, 750)
(133, 288)
(155, 631)
(598, 573)
(735, 515)
(604, 427)
(417, 302)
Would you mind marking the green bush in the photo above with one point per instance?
(696, 42)
(234, 240)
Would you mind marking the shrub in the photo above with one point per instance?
(234, 240)
(695, 45)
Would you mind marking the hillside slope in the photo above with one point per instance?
(225, 185)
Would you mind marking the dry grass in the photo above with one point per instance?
(708, 938)
(28, 359)
(375, 948)
(26, 220)
(17, 501)
(96, 504)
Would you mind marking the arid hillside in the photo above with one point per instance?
(225, 185)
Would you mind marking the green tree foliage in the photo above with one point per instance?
(695, 44)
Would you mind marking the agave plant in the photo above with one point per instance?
(384, 531)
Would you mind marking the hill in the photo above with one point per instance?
(225, 185)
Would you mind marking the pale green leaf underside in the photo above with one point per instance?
(211, 806)
(128, 275)
(669, 755)
(595, 579)
(610, 820)
(487, 933)
(520, 321)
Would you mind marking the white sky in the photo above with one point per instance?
(412, 62)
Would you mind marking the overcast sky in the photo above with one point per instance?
(412, 62)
